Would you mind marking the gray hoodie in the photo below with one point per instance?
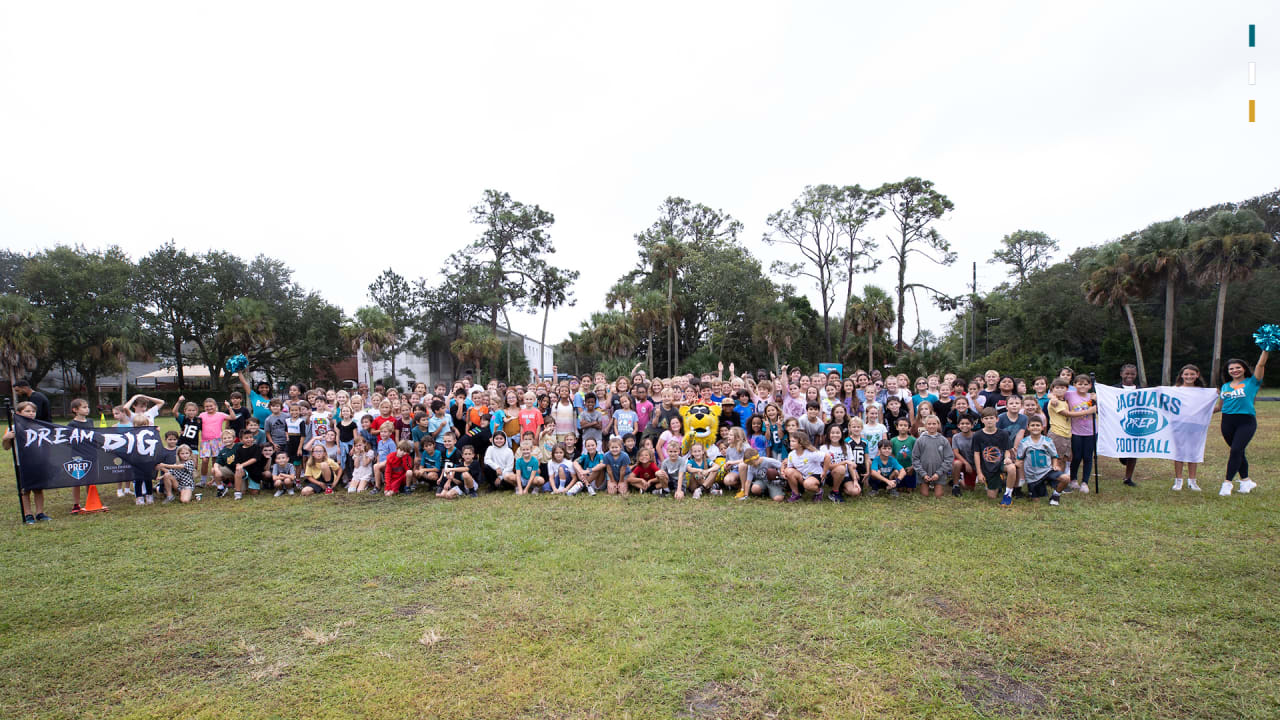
(932, 455)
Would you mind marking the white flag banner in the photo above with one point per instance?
(1169, 423)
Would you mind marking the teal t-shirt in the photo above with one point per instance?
(526, 469)
(1237, 396)
(258, 405)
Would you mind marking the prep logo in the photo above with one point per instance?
(77, 467)
(1140, 422)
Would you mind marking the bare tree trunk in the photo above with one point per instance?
(871, 355)
(1214, 377)
(671, 325)
(13, 391)
(1166, 366)
(542, 342)
(1137, 345)
(650, 353)
(177, 357)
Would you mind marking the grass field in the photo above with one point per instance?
(1133, 603)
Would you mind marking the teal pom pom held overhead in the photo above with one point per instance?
(240, 362)
(1268, 337)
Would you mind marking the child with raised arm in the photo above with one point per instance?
(931, 458)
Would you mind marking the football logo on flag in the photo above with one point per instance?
(1142, 421)
(77, 467)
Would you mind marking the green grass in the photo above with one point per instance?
(1134, 603)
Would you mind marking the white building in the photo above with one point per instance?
(440, 365)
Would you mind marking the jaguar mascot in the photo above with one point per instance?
(701, 422)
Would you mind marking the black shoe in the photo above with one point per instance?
(472, 493)
(955, 491)
(1017, 492)
(29, 519)
(1130, 482)
(41, 517)
(222, 491)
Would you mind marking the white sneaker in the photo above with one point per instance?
(281, 492)
(290, 491)
(128, 491)
(1226, 489)
(119, 492)
(1191, 485)
(1247, 485)
(239, 495)
(1177, 483)
(591, 490)
(697, 493)
(151, 499)
(1084, 488)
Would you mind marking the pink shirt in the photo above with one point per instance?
(211, 425)
(1082, 425)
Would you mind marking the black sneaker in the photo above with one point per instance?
(1130, 482)
(1054, 500)
(836, 497)
(893, 492)
(41, 517)
(955, 491)
(222, 491)
(29, 519)
(472, 493)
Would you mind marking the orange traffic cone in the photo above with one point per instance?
(93, 503)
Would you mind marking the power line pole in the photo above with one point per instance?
(973, 312)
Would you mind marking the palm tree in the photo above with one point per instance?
(1113, 282)
(22, 339)
(776, 327)
(1231, 246)
(476, 344)
(551, 290)
(648, 310)
(667, 257)
(870, 315)
(612, 334)
(247, 323)
(1164, 256)
(369, 333)
(620, 295)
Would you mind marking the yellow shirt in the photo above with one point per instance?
(315, 471)
(1059, 424)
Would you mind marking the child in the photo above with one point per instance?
(296, 427)
(700, 470)
(804, 468)
(838, 469)
(80, 419)
(886, 471)
(859, 458)
(528, 470)
(499, 462)
(873, 431)
(903, 445)
(319, 473)
(894, 409)
(32, 499)
(181, 474)
(1081, 407)
(1188, 376)
(1040, 463)
(1014, 424)
(559, 470)
(386, 446)
(962, 469)
(733, 454)
(931, 458)
(531, 419)
(644, 474)
(589, 469)
(461, 479)
(1059, 423)
(167, 458)
(276, 425)
(397, 466)
(591, 421)
(991, 458)
(281, 475)
(812, 422)
(616, 466)
(774, 432)
(224, 463)
(188, 425)
(673, 468)
(238, 414)
(1041, 387)
(625, 419)
(249, 464)
(762, 475)
(363, 458)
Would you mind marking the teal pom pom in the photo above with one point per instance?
(1268, 338)
(237, 363)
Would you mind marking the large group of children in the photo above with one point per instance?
(785, 436)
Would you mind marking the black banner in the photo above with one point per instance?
(55, 456)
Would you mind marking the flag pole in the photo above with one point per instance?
(17, 470)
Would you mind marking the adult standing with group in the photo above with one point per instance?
(1236, 400)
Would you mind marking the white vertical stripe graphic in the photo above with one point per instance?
(1253, 73)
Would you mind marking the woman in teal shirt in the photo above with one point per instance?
(1239, 421)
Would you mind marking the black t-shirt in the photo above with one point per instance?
(239, 417)
(991, 448)
(42, 405)
(664, 419)
(347, 431)
(245, 453)
(450, 460)
(81, 424)
(189, 432)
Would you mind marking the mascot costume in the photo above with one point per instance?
(701, 425)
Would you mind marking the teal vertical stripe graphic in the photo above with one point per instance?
(1252, 31)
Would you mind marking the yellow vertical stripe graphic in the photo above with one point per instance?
(1251, 111)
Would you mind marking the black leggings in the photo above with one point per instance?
(1082, 450)
(1238, 430)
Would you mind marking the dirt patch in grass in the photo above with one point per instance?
(414, 609)
(946, 608)
(996, 693)
(724, 700)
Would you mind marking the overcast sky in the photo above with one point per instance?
(347, 138)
